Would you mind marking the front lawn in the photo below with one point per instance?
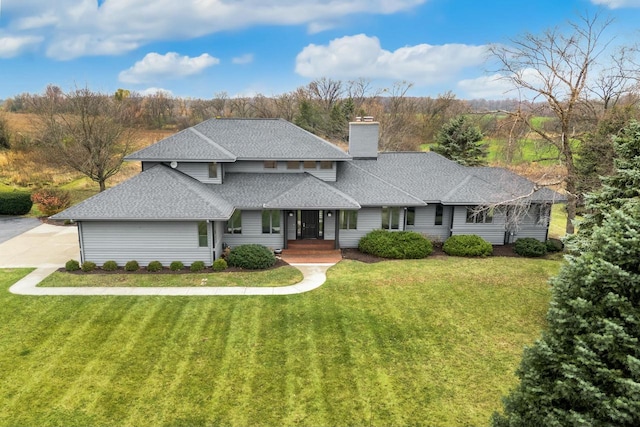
(282, 276)
(425, 342)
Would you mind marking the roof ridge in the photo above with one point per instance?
(322, 140)
(387, 182)
(212, 142)
(308, 177)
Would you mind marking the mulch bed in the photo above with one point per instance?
(356, 255)
(279, 263)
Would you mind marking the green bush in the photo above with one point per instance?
(196, 266)
(396, 244)
(72, 265)
(132, 266)
(467, 245)
(554, 245)
(219, 265)
(530, 247)
(110, 266)
(251, 257)
(15, 203)
(88, 266)
(176, 266)
(50, 201)
(154, 266)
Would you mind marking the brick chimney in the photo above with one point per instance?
(363, 138)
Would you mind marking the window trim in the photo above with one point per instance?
(234, 224)
(205, 235)
(348, 220)
(213, 170)
(272, 214)
(326, 164)
(475, 216)
(391, 210)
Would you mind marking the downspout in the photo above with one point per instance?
(285, 229)
(80, 245)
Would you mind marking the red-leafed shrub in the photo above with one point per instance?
(50, 201)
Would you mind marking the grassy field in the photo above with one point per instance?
(430, 342)
(282, 276)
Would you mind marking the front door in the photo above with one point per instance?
(309, 224)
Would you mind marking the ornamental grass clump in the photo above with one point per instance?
(396, 244)
(251, 257)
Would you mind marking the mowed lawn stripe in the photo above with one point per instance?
(431, 342)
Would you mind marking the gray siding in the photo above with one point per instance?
(144, 242)
(492, 233)
(528, 227)
(258, 167)
(200, 171)
(425, 222)
(252, 232)
(330, 226)
(368, 219)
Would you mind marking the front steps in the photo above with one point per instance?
(311, 252)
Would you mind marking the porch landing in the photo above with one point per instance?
(311, 251)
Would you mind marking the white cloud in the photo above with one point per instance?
(617, 4)
(155, 90)
(75, 28)
(487, 87)
(362, 56)
(13, 46)
(247, 58)
(155, 67)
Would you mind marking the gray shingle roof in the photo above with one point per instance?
(369, 190)
(159, 193)
(226, 140)
(281, 191)
(186, 145)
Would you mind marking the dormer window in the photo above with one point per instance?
(293, 165)
(270, 164)
(326, 164)
(309, 164)
(213, 170)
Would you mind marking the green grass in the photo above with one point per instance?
(282, 276)
(428, 342)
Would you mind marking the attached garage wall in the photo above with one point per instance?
(143, 242)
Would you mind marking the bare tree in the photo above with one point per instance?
(399, 130)
(556, 67)
(326, 91)
(84, 131)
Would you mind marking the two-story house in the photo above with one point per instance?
(226, 182)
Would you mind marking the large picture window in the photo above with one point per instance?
(234, 225)
(476, 215)
(203, 234)
(270, 222)
(390, 218)
(348, 220)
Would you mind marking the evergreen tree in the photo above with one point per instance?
(585, 370)
(461, 141)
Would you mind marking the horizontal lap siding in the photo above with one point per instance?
(252, 232)
(258, 167)
(200, 171)
(143, 242)
(425, 222)
(529, 227)
(368, 219)
(492, 233)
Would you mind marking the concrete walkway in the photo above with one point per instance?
(49, 247)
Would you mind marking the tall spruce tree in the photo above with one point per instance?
(461, 141)
(585, 370)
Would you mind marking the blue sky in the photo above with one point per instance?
(196, 48)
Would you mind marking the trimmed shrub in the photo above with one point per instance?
(88, 266)
(196, 266)
(176, 266)
(251, 257)
(132, 266)
(396, 244)
(50, 201)
(15, 203)
(154, 266)
(72, 265)
(467, 245)
(554, 245)
(219, 265)
(530, 247)
(110, 266)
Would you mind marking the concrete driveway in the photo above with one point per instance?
(43, 246)
(12, 226)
